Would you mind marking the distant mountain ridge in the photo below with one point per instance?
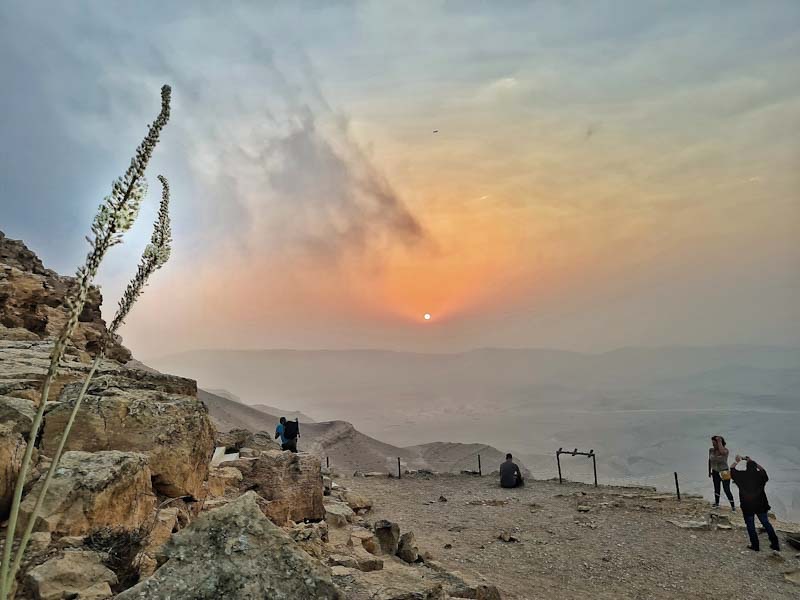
(348, 449)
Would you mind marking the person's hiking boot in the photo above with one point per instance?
(775, 547)
(754, 549)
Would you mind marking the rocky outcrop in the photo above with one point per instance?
(338, 514)
(237, 439)
(76, 574)
(290, 483)
(12, 449)
(32, 303)
(357, 501)
(407, 549)
(235, 552)
(23, 365)
(94, 490)
(223, 479)
(138, 411)
(388, 535)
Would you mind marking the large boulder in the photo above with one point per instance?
(291, 483)
(236, 553)
(76, 574)
(236, 439)
(90, 491)
(19, 412)
(139, 411)
(388, 535)
(222, 479)
(407, 548)
(338, 514)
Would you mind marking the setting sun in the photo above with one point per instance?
(427, 316)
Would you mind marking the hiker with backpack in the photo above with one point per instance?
(288, 431)
(753, 501)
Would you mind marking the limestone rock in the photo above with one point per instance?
(76, 574)
(221, 479)
(357, 501)
(23, 365)
(338, 514)
(311, 537)
(367, 562)
(18, 412)
(407, 548)
(342, 561)
(236, 439)
(236, 553)
(388, 585)
(341, 571)
(360, 537)
(388, 535)
(94, 490)
(139, 411)
(12, 449)
(290, 483)
(161, 526)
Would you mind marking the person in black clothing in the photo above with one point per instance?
(753, 501)
(510, 475)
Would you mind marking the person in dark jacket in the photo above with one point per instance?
(753, 501)
(510, 475)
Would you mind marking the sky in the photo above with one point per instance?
(572, 175)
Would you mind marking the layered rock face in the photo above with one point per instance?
(291, 483)
(140, 411)
(32, 303)
(12, 449)
(235, 552)
(16, 417)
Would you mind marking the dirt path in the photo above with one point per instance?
(620, 547)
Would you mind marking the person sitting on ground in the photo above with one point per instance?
(510, 475)
(288, 431)
(718, 469)
(753, 501)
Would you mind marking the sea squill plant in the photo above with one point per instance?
(114, 218)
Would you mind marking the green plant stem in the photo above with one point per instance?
(51, 471)
(5, 580)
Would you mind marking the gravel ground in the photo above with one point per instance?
(575, 541)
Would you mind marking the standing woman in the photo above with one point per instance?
(718, 469)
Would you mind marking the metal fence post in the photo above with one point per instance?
(399, 473)
(594, 465)
(677, 487)
(558, 460)
(480, 473)
(328, 462)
